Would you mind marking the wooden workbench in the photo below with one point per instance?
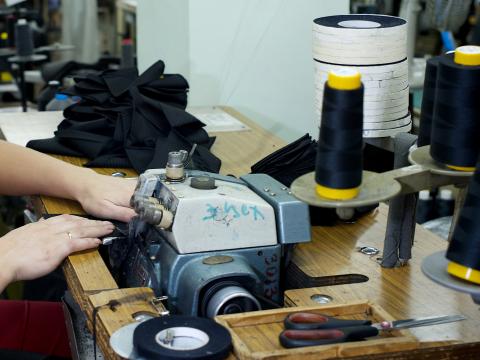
(332, 256)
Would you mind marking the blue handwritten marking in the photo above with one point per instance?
(231, 208)
(229, 212)
(256, 213)
(212, 211)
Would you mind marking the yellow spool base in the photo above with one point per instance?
(461, 168)
(337, 194)
(463, 272)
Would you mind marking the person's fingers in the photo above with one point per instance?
(117, 212)
(68, 225)
(84, 244)
(129, 188)
(65, 218)
(66, 248)
(121, 213)
(91, 231)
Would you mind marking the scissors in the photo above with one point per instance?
(310, 329)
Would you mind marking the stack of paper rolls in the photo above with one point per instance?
(376, 46)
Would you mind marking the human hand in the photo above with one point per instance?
(36, 249)
(107, 197)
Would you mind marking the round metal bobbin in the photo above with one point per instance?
(374, 188)
(421, 156)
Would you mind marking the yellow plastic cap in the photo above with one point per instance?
(6, 77)
(464, 272)
(461, 168)
(337, 194)
(344, 79)
(467, 55)
(4, 36)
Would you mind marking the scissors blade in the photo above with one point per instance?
(424, 321)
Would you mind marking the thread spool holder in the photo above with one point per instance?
(378, 187)
(399, 186)
(21, 61)
(434, 267)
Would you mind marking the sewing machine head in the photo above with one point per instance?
(213, 244)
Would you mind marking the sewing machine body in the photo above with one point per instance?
(226, 246)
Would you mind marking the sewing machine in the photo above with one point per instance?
(211, 244)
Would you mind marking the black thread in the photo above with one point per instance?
(456, 125)
(23, 39)
(428, 102)
(339, 153)
(464, 249)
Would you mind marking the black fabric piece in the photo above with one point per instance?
(126, 120)
(50, 287)
(24, 355)
(455, 127)
(57, 70)
(464, 248)
(339, 155)
(290, 162)
(428, 102)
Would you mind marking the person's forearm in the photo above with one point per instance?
(3, 282)
(27, 172)
(5, 272)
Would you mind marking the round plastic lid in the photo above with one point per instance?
(344, 79)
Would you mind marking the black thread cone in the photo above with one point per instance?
(464, 249)
(456, 125)
(339, 152)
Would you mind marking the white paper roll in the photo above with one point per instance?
(381, 72)
(386, 133)
(351, 40)
(376, 46)
(387, 125)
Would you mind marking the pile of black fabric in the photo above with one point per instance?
(290, 162)
(126, 120)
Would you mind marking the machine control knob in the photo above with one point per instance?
(203, 183)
